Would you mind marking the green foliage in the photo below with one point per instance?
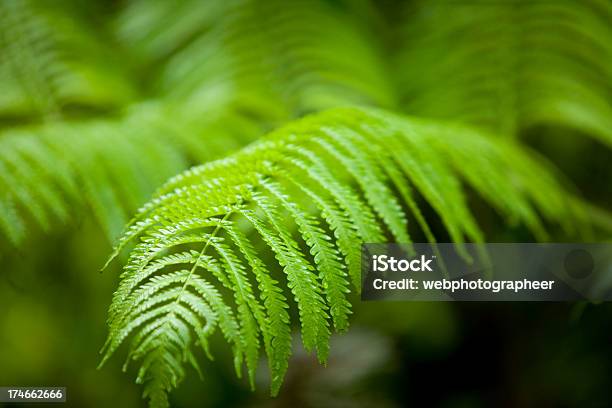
(108, 166)
(249, 65)
(226, 61)
(100, 105)
(264, 56)
(200, 230)
(507, 65)
(46, 70)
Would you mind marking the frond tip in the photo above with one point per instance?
(306, 196)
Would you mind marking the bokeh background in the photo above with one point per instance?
(101, 101)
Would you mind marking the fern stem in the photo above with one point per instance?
(202, 252)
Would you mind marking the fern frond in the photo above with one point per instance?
(46, 69)
(506, 65)
(286, 196)
(264, 56)
(243, 72)
(107, 166)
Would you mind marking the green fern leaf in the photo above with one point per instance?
(285, 192)
(508, 65)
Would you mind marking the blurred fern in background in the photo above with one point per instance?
(101, 104)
